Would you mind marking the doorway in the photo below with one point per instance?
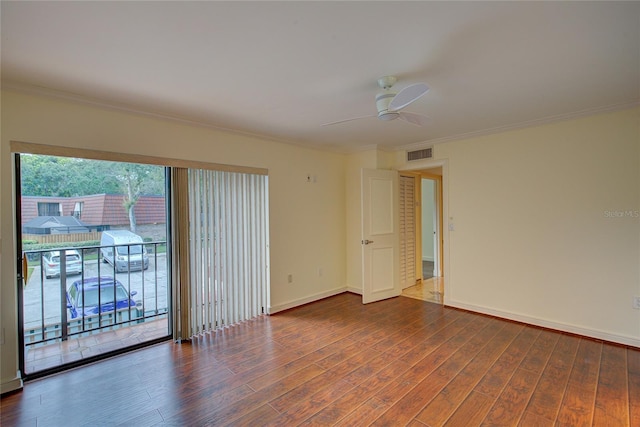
(429, 260)
(429, 227)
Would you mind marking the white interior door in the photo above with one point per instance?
(380, 235)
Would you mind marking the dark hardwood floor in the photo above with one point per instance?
(337, 362)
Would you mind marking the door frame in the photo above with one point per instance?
(425, 168)
(17, 150)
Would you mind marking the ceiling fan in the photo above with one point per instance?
(390, 103)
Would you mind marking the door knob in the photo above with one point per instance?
(366, 242)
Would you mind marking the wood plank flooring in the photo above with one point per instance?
(337, 362)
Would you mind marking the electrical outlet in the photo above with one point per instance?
(320, 272)
(636, 303)
(290, 278)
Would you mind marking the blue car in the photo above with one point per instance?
(95, 295)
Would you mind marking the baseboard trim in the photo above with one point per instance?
(11, 385)
(562, 327)
(354, 290)
(306, 300)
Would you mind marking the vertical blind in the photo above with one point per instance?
(180, 252)
(228, 248)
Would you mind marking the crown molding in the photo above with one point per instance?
(42, 91)
(113, 106)
(522, 125)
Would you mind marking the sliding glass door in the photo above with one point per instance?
(79, 303)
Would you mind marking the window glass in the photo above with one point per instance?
(133, 250)
(106, 295)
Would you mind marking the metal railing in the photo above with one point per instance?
(52, 313)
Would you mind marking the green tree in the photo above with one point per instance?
(42, 175)
(93, 177)
(68, 177)
(137, 179)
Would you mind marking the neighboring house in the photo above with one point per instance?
(95, 209)
(54, 225)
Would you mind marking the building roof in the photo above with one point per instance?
(99, 209)
(55, 224)
(54, 221)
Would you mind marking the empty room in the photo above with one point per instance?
(338, 213)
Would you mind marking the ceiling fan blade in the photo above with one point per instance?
(407, 95)
(348, 120)
(413, 118)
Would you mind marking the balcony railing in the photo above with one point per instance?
(53, 312)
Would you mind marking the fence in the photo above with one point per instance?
(47, 300)
(97, 323)
(63, 238)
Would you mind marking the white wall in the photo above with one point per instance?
(428, 211)
(534, 235)
(307, 219)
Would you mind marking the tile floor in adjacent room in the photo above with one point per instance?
(431, 290)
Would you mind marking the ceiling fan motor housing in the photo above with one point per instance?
(382, 104)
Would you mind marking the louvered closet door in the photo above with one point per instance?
(407, 231)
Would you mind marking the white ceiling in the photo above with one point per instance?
(282, 69)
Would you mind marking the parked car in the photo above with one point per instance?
(128, 256)
(95, 295)
(51, 263)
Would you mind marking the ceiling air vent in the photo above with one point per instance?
(425, 153)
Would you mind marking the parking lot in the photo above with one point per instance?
(43, 298)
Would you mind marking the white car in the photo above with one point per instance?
(51, 263)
